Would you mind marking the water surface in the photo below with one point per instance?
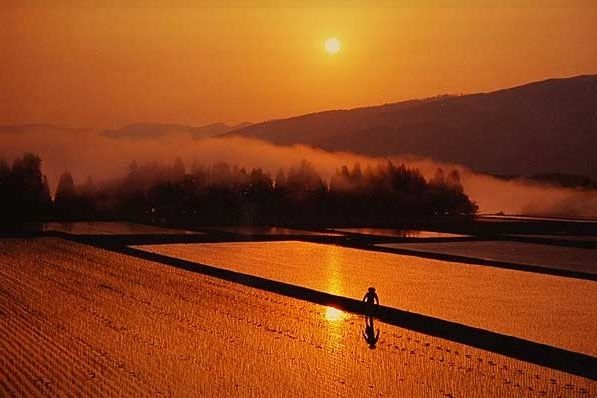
(111, 228)
(557, 311)
(550, 256)
(266, 230)
(400, 233)
(78, 321)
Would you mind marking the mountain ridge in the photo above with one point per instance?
(537, 127)
(149, 130)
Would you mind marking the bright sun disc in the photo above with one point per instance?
(332, 45)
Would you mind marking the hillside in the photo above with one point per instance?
(157, 130)
(548, 126)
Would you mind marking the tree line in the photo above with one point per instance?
(24, 191)
(224, 194)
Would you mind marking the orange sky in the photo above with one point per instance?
(109, 66)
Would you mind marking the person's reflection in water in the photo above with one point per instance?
(370, 335)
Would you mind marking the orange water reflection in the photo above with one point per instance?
(335, 318)
(522, 304)
(400, 233)
(335, 326)
(332, 314)
(332, 266)
(175, 341)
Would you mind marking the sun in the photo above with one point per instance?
(332, 45)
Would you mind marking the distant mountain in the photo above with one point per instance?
(548, 126)
(37, 128)
(156, 130)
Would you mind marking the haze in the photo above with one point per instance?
(89, 154)
(105, 67)
(298, 198)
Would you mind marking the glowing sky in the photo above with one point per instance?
(104, 67)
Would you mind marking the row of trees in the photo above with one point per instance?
(24, 191)
(225, 194)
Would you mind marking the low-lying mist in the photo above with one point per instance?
(86, 153)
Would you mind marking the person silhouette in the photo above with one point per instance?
(370, 335)
(371, 300)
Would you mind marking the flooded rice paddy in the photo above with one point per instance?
(571, 238)
(566, 258)
(400, 233)
(78, 321)
(265, 230)
(515, 218)
(553, 310)
(111, 228)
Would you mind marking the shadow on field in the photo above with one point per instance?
(525, 350)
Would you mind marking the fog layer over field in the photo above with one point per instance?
(86, 153)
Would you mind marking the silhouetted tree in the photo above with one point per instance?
(26, 193)
(46, 198)
(67, 203)
(178, 170)
(6, 194)
(4, 173)
(438, 179)
(227, 194)
(453, 181)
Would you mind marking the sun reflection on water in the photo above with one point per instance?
(334, 314)
(334, 317)
(333, 271)
(335, 325)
